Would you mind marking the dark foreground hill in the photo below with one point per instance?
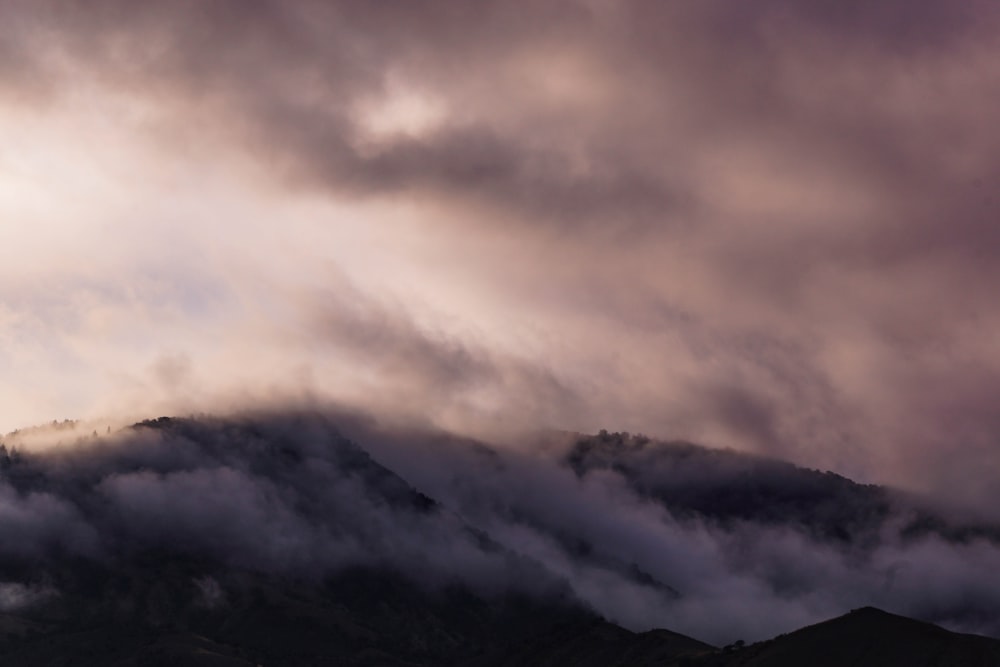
(866, 637)
(277, 541)
(394, 626)
(355, 618)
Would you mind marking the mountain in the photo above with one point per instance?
(866, 637)
(729, 487)
(599, 644)
(277, 540)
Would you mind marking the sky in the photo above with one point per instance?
(768, 226)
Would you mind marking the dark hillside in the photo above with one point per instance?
(868, 638)
(727, 486)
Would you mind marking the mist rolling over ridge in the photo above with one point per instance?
(714, 544)
(350, 315)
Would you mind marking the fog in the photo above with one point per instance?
(291, 495)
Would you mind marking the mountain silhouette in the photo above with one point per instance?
(276, 540)
(867, 637)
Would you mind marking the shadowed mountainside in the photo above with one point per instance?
(866, 637)
(729, 487)
(151, 552)
(275, 540)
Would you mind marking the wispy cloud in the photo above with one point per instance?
(763, 226)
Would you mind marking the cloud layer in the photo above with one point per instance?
(768, 227)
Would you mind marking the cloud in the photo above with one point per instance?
(765, 226)
(638, 539)
(275, 494)
(15, 597)
(36, 522)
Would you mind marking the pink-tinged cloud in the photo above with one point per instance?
(770, 226)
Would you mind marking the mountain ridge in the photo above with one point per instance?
(275, 539)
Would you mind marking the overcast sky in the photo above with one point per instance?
(769, 226)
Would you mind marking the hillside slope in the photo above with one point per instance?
(867, 637)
